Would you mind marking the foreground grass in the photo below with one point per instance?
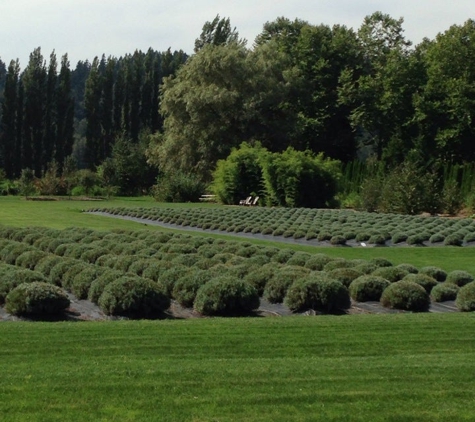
(408, 367)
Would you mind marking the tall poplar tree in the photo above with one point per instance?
(9, 123)
(64, 114)
(34, 83)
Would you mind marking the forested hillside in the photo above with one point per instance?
(349, 94)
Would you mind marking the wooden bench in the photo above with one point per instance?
(208, 198)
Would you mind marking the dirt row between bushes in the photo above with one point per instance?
(281, 239)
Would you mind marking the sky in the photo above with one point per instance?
(88, 28)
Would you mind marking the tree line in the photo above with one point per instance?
(49, 114)
(349, 94)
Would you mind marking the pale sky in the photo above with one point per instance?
(88, 28)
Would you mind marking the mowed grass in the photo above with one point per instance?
(18, 212)
(406, 367)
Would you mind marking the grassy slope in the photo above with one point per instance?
(416, 367)
(61, 214)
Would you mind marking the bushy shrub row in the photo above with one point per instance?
(182, 264)
(342, 226)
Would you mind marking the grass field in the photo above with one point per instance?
(405, 367)
(409, 367)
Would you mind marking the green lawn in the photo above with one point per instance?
(408, 367)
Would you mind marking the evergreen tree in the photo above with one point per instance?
(34, 84)
(9, 123)
(92, 105)
(64, 113)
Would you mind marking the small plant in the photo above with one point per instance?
(381, 262)
(30, 259)
(99, 284)
(407, 296)
(338, 240)
(226, 295)
(185, 289)
(466, 298)
(344, 275)
(437, 238)
(259, 277)
(392, 274)
(82, 281)
(338, 263)
(276, 288)
(411, 269)
(423, 280)
(398, 237)
(367, 288)
(135, 297)
(453, 240)
(318, 292)
(317, 262)
(443, 292)
(36, 298)
(459, 278)
(437, 273)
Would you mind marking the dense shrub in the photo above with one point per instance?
(91, 255)
(381, 262)
(290, 178)
(11, 252)
(465, 300)
(259, 277)
(444, 291)
(377, 239)
(409, 268)
(338, 263)
(240, 175)
(169, 277)
(427, 282)
(367, 288)
(407, 296)
(13, 277)
(344, 275)
(338, 240)
(391, 274)
(73, 270)
(299, 259)
(82, 281)
(178, 187)
(283, 256)
(437, 273)
(459, 278)
(185, 288)
(365, 268)
(47, 263)
(226, 295)
(317, 262)
(135, 297)
(276, 288)
(30, 259)
(318, 292)
(437, 238)
(453, 240)
(99, 284)
(398, 237)
(36, 298)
